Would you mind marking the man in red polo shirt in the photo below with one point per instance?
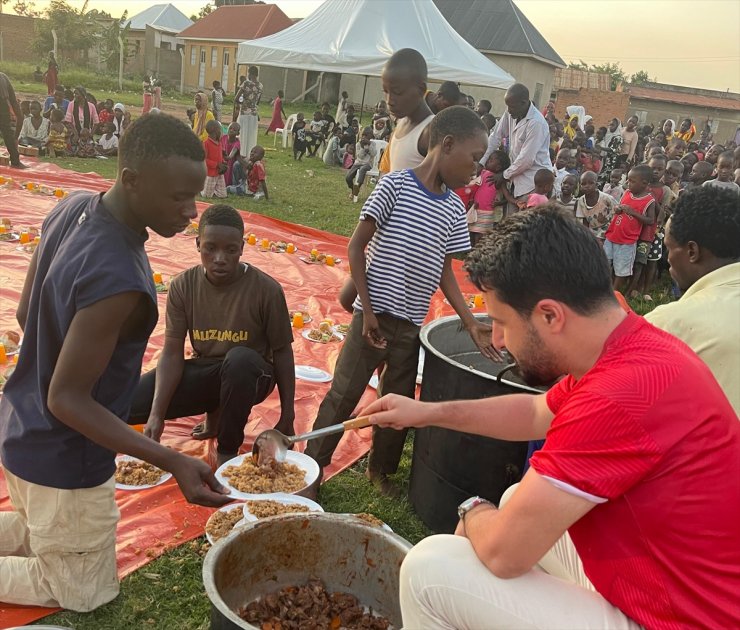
(629, 515)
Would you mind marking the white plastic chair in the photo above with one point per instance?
(380, 146)
(287, 132)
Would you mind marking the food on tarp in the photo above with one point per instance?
(276, 477)
(369, 518)
(131, 472)
(161, 287)
(318, 335)
(191, 230)
(11, 340)
(29, 248)
(221, 523)
(304, 315)
(342, 329)
(8, 236)
(326, 325)
(317, 257)
(311, 606)
(263, 509)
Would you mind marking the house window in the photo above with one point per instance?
(538, 93)
(193, 55)
(227, 55)
(641, 116)
(713, 125)
(214, 57)
(202, 54)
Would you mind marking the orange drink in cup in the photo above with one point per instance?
(157, 278)
(3, 229)
(329, 260)
(3, 355)
(290, 249)
(138, 427)
(297, 319)
(252, 239)
(25, 237)
(477, 300)
(265, 243)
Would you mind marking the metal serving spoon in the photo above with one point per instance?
(271, 445)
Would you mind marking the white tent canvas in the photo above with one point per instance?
(358, 37)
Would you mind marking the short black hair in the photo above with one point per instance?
(540, 254)
(659, 156)
(450, 91)
(408, 60)
(486, 104)
(457, 121)
(503, 158)
(253, 71)
(644, 171)
(709, 216)
(544, 175)
(728, 155)
(155, 138)
(221, 214)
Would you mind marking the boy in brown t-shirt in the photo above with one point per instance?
(237, 322)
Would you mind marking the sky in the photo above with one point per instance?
(683, 42)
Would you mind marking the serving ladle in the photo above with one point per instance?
(272, 445)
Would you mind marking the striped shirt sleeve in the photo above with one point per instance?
(379, 204)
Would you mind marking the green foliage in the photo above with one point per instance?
(27, 8)
(614, 70)
(206, 10)
(110, 48)
(641, 77)
(77, 30)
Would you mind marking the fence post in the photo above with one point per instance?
(121, 55)
(56, 41)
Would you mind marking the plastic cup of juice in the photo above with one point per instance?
(157, 278)
(25, 237)
(329, 260)
(298, 320)
(251, 239)
(3, 229)
(3, 355)
(290, 249)
(478, 300)
(265, 243)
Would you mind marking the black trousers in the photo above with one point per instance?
(9, 138)
(233, 384)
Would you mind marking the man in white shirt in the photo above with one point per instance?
(703, 242)
(526, 136)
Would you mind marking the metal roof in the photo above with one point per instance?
(162, 16)
(497, 26)
(238, 23)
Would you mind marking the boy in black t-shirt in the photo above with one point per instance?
(63, 412)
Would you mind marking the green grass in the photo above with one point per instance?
(168, 592)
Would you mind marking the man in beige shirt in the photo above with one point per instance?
(703, 242)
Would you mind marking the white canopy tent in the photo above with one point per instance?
(358, 37)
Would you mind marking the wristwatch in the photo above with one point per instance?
(469, 504)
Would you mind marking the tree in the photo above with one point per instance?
(21, 7)
(77, 30)
(641, 77)
(202, 13)
(110, 48)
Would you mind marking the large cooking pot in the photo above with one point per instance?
(451, 466)
(347, 554)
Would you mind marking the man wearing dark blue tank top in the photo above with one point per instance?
(87, 309)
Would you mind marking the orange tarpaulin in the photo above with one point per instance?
(156, 519)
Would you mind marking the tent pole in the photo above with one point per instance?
(364, 87)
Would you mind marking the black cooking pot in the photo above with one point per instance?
(451, 466)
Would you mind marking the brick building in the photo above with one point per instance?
(602, 105)
(16, 34)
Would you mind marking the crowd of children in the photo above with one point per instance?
(53, 129)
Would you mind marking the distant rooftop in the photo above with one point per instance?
(239, 23)
(497, 26)
(162, 16)
(685, 96)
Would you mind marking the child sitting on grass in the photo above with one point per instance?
(108, 142)
(250, 178)
(410, 228)
(58, 134)
(86, 147)
(489, 199)
(544, 181)
(215, 185)
(636, 208)
(299, 137)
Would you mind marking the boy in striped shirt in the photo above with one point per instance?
(410, 227)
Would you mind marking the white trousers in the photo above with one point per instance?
(445, 586)
(248, 134)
